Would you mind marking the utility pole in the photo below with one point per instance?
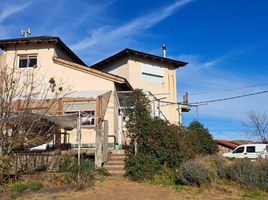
(79, 143)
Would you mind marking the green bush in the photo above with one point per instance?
(243, 171)
(196, 140)
(248, 173)
(165, 177)
(263, 176)
(69, 165)
(21, 186)
(193, 173)
(218, 164)
(35, 185)
(142, 167)
(18, 187)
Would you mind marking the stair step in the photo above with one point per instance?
(114, 166)
(117, 159)
(119, 151)
(117, 173)
(115, 162)
(117, 154)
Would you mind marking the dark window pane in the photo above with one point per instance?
(239, 150)
(22, 62)
(32, 62)
(251, 149)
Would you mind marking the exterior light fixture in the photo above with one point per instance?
(52, 84)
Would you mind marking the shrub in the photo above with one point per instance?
(21, 186)
(218, 165)
(193, 173)
(199, 141)
(18, 187)
(165, 177)
(249, 174)
(263, 175)
(35, 185)
(142, 167)
(243, 171)
(69, 165)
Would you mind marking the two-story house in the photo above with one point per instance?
(118, 74)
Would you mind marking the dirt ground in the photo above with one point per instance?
(119, 188)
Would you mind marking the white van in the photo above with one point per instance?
(251, 151)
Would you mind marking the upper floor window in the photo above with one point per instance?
(152, 73)
(152, 77)
(27, 61)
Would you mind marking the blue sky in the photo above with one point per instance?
(224, 41)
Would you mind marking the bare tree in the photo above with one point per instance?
(24, 100)
(257, 126)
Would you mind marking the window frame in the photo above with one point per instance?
(144, 74)
(69, 112)
(27, 57)
(251, 151)
(239, 148)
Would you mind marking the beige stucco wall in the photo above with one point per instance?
(70, 79)
(132, 71)
(2, 58)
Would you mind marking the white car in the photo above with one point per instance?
(251, 151)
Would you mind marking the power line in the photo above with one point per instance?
(229, 98)
(229, 89)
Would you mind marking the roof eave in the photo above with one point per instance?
(129, 52)
(49, 39)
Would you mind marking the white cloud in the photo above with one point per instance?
(102, 36)
(12, 9)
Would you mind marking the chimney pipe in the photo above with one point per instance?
(164, 50)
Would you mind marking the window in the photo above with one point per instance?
(86, 108)
(91, 113)
(152, 78)
(27, 61)
(152, 73)
(239, 150)
(251, 149)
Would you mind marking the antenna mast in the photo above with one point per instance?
(25, 33)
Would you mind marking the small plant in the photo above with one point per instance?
(102, 171)
(1, 189)
(165, 177)
(193, 173)
(21, 186)
(18, 187)
(35, 185)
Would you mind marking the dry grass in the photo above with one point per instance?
(121, 189)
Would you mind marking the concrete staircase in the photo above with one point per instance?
(116, 164)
